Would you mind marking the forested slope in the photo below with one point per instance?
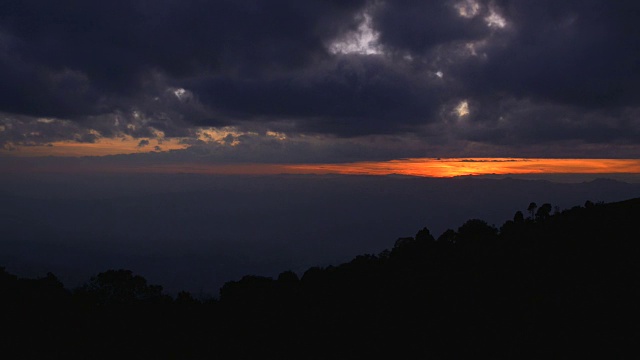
(546, 284)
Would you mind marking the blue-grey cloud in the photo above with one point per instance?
(534, 73)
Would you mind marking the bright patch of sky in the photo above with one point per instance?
(181, 94)
(227, 135)
(471, 8)
(102, 146)
(472, 49)
(467, 8)
(363, 41)
(277, 135)
(462, 109)
(476, 48)
(495, 20)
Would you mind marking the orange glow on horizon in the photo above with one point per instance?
(422, 167)
(474, 166)
(101, 147)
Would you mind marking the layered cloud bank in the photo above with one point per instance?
(320, 81)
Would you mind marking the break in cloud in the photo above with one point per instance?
(313, 80)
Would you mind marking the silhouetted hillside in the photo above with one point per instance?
(546, 284)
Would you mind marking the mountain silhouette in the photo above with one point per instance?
(549, 284)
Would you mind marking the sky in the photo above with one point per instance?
(196, 141)
(187, 84)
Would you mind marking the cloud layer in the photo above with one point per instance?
(364, 78)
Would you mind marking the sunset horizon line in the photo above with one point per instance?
(436, 167)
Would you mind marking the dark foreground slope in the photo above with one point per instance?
(544, 285)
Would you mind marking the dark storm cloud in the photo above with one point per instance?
(567, 52)
(511, 121)
(353, 95)
(530, 72)
(418, 26)
(116, 44)
(27, 131)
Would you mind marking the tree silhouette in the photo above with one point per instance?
(185, 298)
(424, 235)
(561, 281)
(288, 278)
(543, 212)
(531, 208)
(518, 217)
(119, 287)
(449, 236)
(476, 231)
